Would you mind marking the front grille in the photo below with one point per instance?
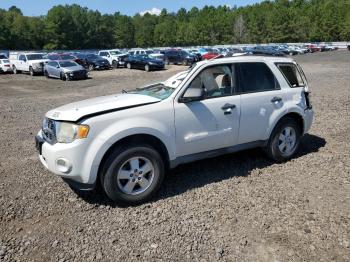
(49, 131)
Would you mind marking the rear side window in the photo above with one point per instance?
(256, 77)
(291, 74)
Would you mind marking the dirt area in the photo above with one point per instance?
(239, 207)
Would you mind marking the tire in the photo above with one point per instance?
(31, 71)
(167, 61)
(15, 71)
(91, 67)
(128, 65)
(278, 149)
(124, 188)
(114, 64)
(147, 68)
(46, 74)
(63, 77)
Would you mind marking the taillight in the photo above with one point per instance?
(7, 65)
(307, 100)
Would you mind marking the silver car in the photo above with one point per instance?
(65, 70)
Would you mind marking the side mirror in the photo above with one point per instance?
(192, 94)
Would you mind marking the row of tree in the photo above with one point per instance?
(76, 27)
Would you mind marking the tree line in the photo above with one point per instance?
(76, 27)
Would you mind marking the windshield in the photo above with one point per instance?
(67, 57)
(159, 91)
(92, 56)
(68, 64)
(114, 52)
(35, 57)
(149, 52)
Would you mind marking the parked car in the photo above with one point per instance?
(265, 50)
(125, 142)
(115, 57)
(211, 54)
(67, 57)
(93, 61)
(197, 55)
(5, 66)
(150, 53)
(175, 56)
(349, 47)
(144, 62)
(65, 70)
(27, 62)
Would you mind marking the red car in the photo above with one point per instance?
(211, 55)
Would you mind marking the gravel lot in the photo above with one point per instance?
(239, 207)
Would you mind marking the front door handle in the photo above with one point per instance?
(276, 99)
(228, 108)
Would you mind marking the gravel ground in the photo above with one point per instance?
(239, 207)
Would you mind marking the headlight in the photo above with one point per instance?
(68, 132)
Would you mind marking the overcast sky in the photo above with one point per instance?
(131, 7)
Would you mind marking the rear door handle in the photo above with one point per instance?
(276, 99)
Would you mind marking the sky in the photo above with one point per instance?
(128, 7)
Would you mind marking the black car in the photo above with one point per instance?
(93, 61)
(144, 62)
(178, 57)
(67, 57)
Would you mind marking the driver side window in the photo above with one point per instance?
(217, 81)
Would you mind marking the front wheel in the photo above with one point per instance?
(133, 174)
(147, 68)
(63, 77)
(114, 64)
(31, 71)
(284, 140)
(91, 67)
(128, 65)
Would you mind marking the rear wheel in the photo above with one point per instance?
(128, 65)
(167, 62)
(46, 74)
(132, 174)
(15, 71)
(284, 140)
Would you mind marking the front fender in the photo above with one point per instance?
(117, 131)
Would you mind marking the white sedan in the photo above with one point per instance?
(5, 66)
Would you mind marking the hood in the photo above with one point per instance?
(99, 61)
(73, 68)
(154, 60)
(99, 105)
(38, 61)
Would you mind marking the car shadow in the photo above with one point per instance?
(200, 173)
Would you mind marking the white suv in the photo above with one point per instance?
(126, 141)
(114, 57)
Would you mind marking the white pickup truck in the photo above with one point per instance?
(33, 63)
(114, 57)
(127, 141)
